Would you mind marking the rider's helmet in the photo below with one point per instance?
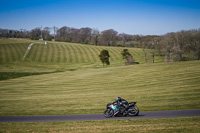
(118, 99)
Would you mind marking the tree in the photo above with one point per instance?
(130, 60)
(35, 34)
(125, 40)
(143, 45)
(95, 37)
(85, 35)
(64, 34)
(181, 39)
(127, 56)
(168, 44)
(108, 37)
(46, 33)
(104, 57)
(153, 45)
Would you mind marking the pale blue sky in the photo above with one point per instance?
(125, 16)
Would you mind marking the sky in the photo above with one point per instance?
(143, 17)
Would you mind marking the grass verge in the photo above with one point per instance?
(186, 124)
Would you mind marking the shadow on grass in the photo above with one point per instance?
(12, 75)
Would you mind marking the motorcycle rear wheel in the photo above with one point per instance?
(134, 111)
(108, 113)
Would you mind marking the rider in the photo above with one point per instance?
(121, 102)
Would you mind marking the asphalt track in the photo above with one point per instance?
(90, 117)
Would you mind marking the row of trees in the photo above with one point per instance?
(34, 34)
(86, 35)
(176, 46)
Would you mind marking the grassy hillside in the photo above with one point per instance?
(58, 56)
(12, 50)
(161, 86)
(85, 87)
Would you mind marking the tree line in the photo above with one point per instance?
(175, 46)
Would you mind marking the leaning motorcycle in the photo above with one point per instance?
(112, 110)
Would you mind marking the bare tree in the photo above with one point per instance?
(125, 39)
(55, 29)
(85, 35)
(128, 57)
(168, 44)
(108, 37)
(193, 44)
(144, 45)
(75, 35)
(153, 45)
(95, 37)
(46, 33)
(64, 34)
(181, 39)
(35, 34)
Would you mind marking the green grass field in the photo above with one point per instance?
(161, 86)
(59, 56)
(182, 125)
(65, 78)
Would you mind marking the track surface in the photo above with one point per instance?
(142, 115)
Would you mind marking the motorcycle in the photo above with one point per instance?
(112, 110)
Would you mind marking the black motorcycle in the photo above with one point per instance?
(124, 110)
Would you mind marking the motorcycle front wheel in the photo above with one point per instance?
(108, 113)
(133, 111)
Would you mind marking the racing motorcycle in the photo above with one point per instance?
(112, 110)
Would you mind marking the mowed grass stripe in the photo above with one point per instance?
(38, 52)
(5, 52)
(64, 53)
(33, 52)
(46, 55)
(138, 54)
(59, 53)
(87, 55)
(4, 58)
(52, 54)
(80, 54)
(21, 49)
(16, 52)
(41, 53)
(74, 53)
(113, 54)
(8, 53)
(1, 54)
(69, 53)
(11, 53)
(95, 54)
(92, 54)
